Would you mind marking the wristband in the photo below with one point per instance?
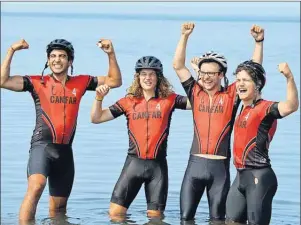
(99, 98)
(260, 40)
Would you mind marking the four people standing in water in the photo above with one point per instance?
(148, 107)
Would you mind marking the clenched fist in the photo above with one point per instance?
(106, 45)
(257, 32)
(19, 45)
(187, 28)
(284, 68)
(102, 90)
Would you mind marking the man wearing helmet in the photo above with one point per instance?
(251, 194)
(57, 97)
(148, 107)
(214, 108)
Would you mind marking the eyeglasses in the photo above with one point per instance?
(210, 74)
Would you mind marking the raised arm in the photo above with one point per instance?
(292, 102)
(258, 34)
(113, 79)
(180, 54)
(194, 64)
(99, 115)
(14, 83)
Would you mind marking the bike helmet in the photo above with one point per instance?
(214, 57)
(258, 72)
(149, 62)
(61, 44)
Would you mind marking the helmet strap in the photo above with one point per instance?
(42, 77)
(226, 82)
(255, 98)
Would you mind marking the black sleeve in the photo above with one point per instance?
(188, 86)
(181, 102)
(27, 85)
(274, 111)
(93, 83)
(116, 110)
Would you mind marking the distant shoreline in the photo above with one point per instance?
(118, 16)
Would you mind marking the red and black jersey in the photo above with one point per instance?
(212, 125)
(57, 106)
(148, 123)
(254, 129)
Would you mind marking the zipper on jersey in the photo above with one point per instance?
(147, 136)
(64, 114)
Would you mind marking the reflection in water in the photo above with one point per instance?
(156, 221)
(122, 219)
(125, 220)
(215, 222)
(60, 220)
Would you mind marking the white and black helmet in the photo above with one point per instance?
(149, 62)
(214, 57)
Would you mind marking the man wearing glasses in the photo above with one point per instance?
(214, 108)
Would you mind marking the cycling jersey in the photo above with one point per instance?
(148, 123)
(212, 125)
(57, 106)
(254, 129)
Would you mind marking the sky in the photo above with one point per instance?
(286, 9)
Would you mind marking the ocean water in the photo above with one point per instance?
(100, 150)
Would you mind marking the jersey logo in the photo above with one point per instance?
(74, 92)
(247, 116)
(158, 107)
(263, 160)
(202, 101)
(53, 91)
(221, 101)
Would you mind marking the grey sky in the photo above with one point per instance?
(286, 9)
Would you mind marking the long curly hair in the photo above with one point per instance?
(163, 87)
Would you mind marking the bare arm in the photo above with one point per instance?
(113, 79)
(99, 115)
(14, 83)
(258, 34)
(194, 64)
(292, 102)
(180, 54)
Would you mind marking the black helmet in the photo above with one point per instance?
(149, 62)
(258, 75)
(61, 44)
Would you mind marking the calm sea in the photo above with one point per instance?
(100, 150)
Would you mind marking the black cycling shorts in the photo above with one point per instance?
(251, 195)
(153, 173)
(201, 173)
(55, 162)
